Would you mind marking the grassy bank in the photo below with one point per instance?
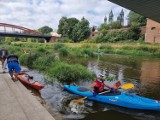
(132, 48)
(54, 60)
(59, 60)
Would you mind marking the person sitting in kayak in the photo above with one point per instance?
(98, 85)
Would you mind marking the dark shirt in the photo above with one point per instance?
(12, 58)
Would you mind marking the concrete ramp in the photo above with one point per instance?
(17, 103)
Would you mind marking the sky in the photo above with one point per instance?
(35, 14)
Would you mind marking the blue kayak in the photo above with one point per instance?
(121, 99)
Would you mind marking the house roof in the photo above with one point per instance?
(55, 34)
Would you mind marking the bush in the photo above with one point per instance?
(58, 46)
(42, 63)
(133, 33)
(63, 52)
(115, 35)
(29, 59)
(69, 73)
(41, 49)
(99, 39)
(112, 36)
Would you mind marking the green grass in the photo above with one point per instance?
(59, 60)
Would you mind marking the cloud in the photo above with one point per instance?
(34, 14)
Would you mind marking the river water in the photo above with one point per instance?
(144, 73)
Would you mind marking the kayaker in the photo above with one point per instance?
(13, 66)
(3, 54)
(98, 85)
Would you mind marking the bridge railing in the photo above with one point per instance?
(8, 28)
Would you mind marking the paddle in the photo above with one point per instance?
(125, 87)
(82, 99)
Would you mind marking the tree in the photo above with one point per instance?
(9, 39)
(71, 24)
(93, 28)
(136, 19)
(13, 39)
(115, 25)
(66, 26)
(62, 25)
(112, 25)
(2, 39)
(73, 28)
(45, 30)
(103, 27)
(133, 32)
(81, 30)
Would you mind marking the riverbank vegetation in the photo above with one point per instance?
(66, 62)
(55, 60)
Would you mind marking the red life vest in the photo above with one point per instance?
(99, 87)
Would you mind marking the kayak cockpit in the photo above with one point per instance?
(108, 93)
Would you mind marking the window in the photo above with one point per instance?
(152, 28)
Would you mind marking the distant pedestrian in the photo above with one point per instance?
(3, 54)
(13, 66)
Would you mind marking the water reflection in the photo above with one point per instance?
(150, 78)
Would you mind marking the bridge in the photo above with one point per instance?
(147, 8)
(19, 31)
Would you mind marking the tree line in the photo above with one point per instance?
(74, 30)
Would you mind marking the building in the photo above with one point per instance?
(111, 17)
(105, 19)
(55, 36)
(120, 18)
(152, 34)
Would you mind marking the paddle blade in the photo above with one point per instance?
(116, 85)
(127, 86)
(81, 100)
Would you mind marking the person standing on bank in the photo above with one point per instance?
(13, 66)
(98, 85)
(3, 54)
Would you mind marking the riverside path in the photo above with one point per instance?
(17, 103)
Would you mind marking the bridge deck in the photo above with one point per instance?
(147, 8)
(16, 103)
